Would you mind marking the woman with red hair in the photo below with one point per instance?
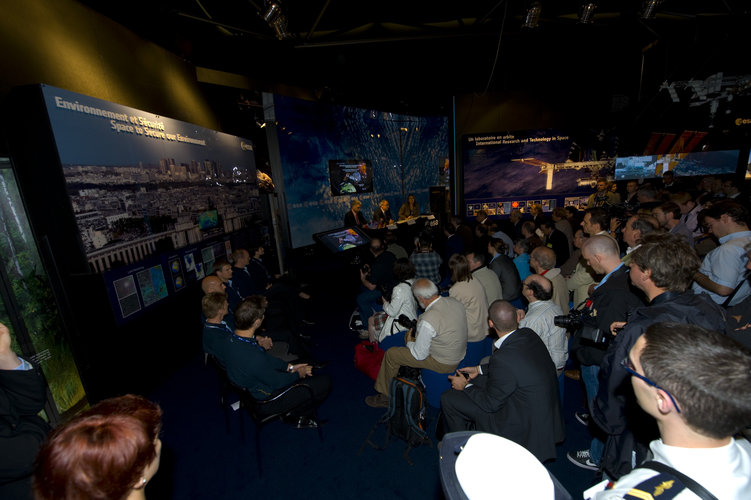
(111, 451)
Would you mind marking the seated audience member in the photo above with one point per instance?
(223, 270)
(481, 216)
(375, 277)
(669, 216)
(562, 224)
(22, 431)
(471, 294)
(529, 231)
(636, 228)
(537, 214)
(393, 246)
(241, 280)
(439, 344)
(542, 262)
(648, 198)
(583, 276)
(504, 268)
(669, 184)
(738, 326)
(689, 211)
(216, 331)
(487, 278)
(111, 450)
(402, 302)
(522, 250)
(264, 376)
(515, 395)
(382, 216)
(516, 218)
(354, 216)
(556, 241)
(481, 236)
(721, 274)
(409, 209)
(540, 318)
(427, 262)
(454, 242)
(694, 383)
(663, 268)
(496, 233)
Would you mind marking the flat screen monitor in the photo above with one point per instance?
(350, 177)
(208, 220)
(342, 239)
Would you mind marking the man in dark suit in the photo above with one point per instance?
(354, 217)
(515, 395)
(382, 215)
(555, 240)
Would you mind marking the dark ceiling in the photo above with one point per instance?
(416, 54)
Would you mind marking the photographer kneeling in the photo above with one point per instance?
(610, 301)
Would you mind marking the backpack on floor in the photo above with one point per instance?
(405, 417)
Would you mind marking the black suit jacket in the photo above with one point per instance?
(511, 283)
(350, 219)
(559, 243)
(519, 395)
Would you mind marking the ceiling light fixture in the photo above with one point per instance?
(587, 13)
(276, 19)
(532, 18)
(650, 9)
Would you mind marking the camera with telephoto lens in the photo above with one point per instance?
(409, 324)
(576, 322)
(571, 321)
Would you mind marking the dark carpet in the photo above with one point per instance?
(203, 459)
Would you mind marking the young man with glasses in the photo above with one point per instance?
(663, 268)
(694, 383)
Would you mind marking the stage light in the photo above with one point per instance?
(650, 9)
(260, 124)
(587, 12)
(276, 19)
(532, 18)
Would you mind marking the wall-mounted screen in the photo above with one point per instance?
(350, 177)
(682, 164)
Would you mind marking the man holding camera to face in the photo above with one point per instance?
(610, 301)
(438, 343)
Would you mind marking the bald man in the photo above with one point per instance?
(515, 395)
(540, 318)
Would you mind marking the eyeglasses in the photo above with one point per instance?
(629, 367)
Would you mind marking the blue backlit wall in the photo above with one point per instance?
(312, 133)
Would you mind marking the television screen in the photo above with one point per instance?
(350, 177)
(208, 220)
(342, 239)
(683, 164)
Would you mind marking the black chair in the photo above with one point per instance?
(226, 388)
(257, 409)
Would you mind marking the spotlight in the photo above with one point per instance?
(587, 12)
(532, 18)
(260, 124)
(650, 9)
(276, 19)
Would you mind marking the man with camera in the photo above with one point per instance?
(610, 301)
(663, 267)
(438, 343)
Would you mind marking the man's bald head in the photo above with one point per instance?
(543, 257)
(539, 288)
(602, 253)
(502, 316)
(212, 284)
